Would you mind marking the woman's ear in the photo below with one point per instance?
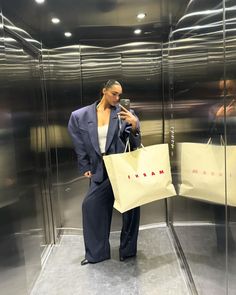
(103, 90)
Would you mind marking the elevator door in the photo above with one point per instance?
(24, 103)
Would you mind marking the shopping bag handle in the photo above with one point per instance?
(209, 141)
(127, 146)
(222, 142)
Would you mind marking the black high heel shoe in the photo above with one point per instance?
(84, 262)
(123, 258)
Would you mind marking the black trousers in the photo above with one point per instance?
(97, 210)
(219, 213)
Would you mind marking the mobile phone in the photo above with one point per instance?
(125, 102)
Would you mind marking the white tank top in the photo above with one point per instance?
(102, 137)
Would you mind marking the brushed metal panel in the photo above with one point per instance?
(195, 66)
(12, 264)
(230, 94)
(64, 92)
(194, 61)
(25, 164)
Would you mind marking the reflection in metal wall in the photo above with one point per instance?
(230, 112)
(24, 186)
(26, 110)
(141, 72)
(11, 248)
(195, 65)
(63, 79)
(98, 66)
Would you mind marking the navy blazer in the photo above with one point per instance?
(83, 127)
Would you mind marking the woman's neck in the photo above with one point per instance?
(103, 105)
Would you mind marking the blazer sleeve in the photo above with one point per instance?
(134, 138)
(82, 156)
(216, 125)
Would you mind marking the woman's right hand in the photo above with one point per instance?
(88, 174)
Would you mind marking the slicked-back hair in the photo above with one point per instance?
(109, 84)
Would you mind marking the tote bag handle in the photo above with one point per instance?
(222, 142)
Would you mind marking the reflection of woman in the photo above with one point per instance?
(8, 191)
(98, 129)
(218, 114)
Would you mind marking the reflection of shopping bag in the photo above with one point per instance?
(140, 176)
(202, 171)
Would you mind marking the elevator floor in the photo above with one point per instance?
(155, 270)
(212, 271)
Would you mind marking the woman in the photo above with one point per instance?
(221, 115)
(98, 129)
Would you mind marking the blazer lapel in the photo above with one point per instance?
(112, 127)
(93, 127)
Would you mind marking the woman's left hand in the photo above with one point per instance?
(229, 111)
(128, 117)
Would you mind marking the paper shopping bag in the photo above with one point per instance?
(207, 172)
(231, 175)
(140, 176)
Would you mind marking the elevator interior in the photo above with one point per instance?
(178, 72)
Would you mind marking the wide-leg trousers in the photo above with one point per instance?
(97, 210)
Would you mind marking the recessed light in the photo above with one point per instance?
(39, 1)
(137, 31)
(55, 20)
(141, 15)
(68, 34)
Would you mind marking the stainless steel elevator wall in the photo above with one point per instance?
(64, 93)
(230, 94)
(199, 66)
(11, 248)
(24, 221)
(195, 66)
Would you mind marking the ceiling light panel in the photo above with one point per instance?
(141, 15)
(40, 1)
(137, 31)
(68, 34)
(55, 20)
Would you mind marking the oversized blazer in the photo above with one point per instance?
(83, 127)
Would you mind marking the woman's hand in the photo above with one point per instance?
(88, 174)
(230, 110)
(128, 117)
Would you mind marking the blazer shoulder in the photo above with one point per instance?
(81, 111)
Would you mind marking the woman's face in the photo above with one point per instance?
(112, 94)
(230, 87)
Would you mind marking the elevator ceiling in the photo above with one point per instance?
(89, 20)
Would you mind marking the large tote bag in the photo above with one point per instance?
(208, 172)
(140, 176)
